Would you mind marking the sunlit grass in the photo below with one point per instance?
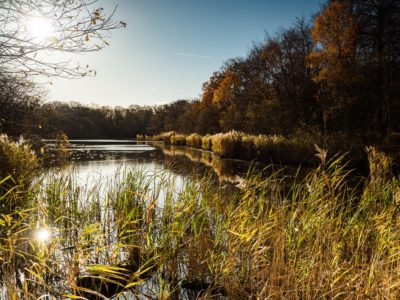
(194, 140)
(325, 237)
(239, 145)
(206, 143)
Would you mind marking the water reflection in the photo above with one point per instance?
(99, 160)
(227, 170)
(94, 160)
(113, 203)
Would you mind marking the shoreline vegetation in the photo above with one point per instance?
(325, 237)
(273, 149)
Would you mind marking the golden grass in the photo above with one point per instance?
(239, 145)
(206, 143)
(194, 140)
(324, 238)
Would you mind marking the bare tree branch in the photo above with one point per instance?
(78, 26)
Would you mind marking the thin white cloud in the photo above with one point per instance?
(195, 55)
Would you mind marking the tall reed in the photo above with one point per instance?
(194, 140)
(326, 237)
(239, 145)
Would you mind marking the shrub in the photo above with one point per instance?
(37, 144)
(166, 137)
(279, 149)
(239, 145)
(293, 151)
(261, 143)
(63, 152)
(267, 147)
(162, 137)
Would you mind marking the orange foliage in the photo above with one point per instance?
(334, 36)
(224, 90)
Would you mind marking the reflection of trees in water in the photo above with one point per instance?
(225, 169)
(103, 233)
(228, 170)
(185, 161)
(242, 174)
(182, 160)
(87, 150)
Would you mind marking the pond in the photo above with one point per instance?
(134, 214)
(92, 161)
(96, 179)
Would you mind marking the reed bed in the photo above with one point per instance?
(178, 140)
(206, 143)
(162, 137)
(194, 140)
(239, 145)
(326, 237)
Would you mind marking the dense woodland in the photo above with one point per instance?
(338, 73)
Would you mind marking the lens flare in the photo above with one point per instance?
(43, 235)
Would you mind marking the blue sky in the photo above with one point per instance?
(171, 47)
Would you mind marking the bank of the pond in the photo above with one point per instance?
(321, 239)
(270, 149)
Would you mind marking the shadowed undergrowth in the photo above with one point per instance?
(326, 237)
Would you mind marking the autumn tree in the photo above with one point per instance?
(334, 65)
(281, 79)
(356, 63)
(293, 82)
(270, 90)
(232, 94)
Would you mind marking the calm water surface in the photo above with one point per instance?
(101, 161)
(95, 164)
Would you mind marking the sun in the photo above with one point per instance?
(39, 28)
(43, 235)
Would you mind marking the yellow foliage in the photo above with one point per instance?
(334, 35)
(224, 89)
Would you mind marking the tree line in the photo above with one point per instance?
(337, 73)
